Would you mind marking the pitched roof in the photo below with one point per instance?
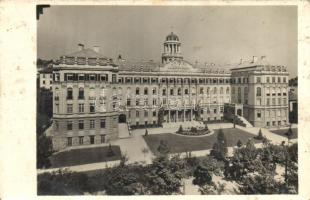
(86, 53)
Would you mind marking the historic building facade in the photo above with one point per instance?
(92, 94)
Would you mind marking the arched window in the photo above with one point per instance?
(227, 90)
(164, 91)
(179, 91)
(186, 91)
(154, 90)
(137, 91)
(221, 90)
(201, 90)
(81, 93)
(56, 93)
(146, 91)
(171, 91)
(258, 92)
(91, 93)
(69, 93)
(215, 90)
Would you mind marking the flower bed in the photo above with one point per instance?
(193, 131)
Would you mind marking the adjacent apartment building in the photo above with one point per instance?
(93, 94)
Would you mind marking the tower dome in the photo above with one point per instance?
(172, 49)
(172, 37)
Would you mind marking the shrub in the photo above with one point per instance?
(180, 130)
(239, 143)
(260, 135)
(163, 147)
(194, 129)
(201, 176)
(110, 151)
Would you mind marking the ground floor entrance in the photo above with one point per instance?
(178, 115)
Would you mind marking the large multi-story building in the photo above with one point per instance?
(92, 94)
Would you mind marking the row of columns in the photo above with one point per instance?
(172, 48)
(176, 118)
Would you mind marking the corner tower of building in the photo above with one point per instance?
(172, 49)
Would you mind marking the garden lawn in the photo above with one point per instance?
(282, 132)
(84, 156)
(178, 144)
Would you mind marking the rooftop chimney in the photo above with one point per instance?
(254, 59)
(81, 47)
(96, 49)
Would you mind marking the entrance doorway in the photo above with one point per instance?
(122, 118)
(239, 112)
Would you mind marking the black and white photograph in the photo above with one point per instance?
(167, 100)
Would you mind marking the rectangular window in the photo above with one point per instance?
(154, 102)
(279, 101)
(273, 79)
(102, 123)
(258, 114)
(273, 101)
(69, 141)
(81, 124)
(128, 102)
(284, 101)
(146, 114)
(92, 107)
(81, 140)
(113, 78)
(214, 111)
(268, 102)
(268, 80)
(268, 123)
(154, 113)
(284, 79)
(258, 80)
(137, 113)
(279, 79)
(69, 125)
(92, 139)
(81, 108)
(92, 124)
(69, 108)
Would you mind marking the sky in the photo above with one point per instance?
(212, 34)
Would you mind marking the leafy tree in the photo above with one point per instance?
(214, 166)
(202, 176)
(62, 182)
(163, 147)
(239, 143)
(164, 177)
(44, 151)
(259, 184)
(122, 181)
(220, 150)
